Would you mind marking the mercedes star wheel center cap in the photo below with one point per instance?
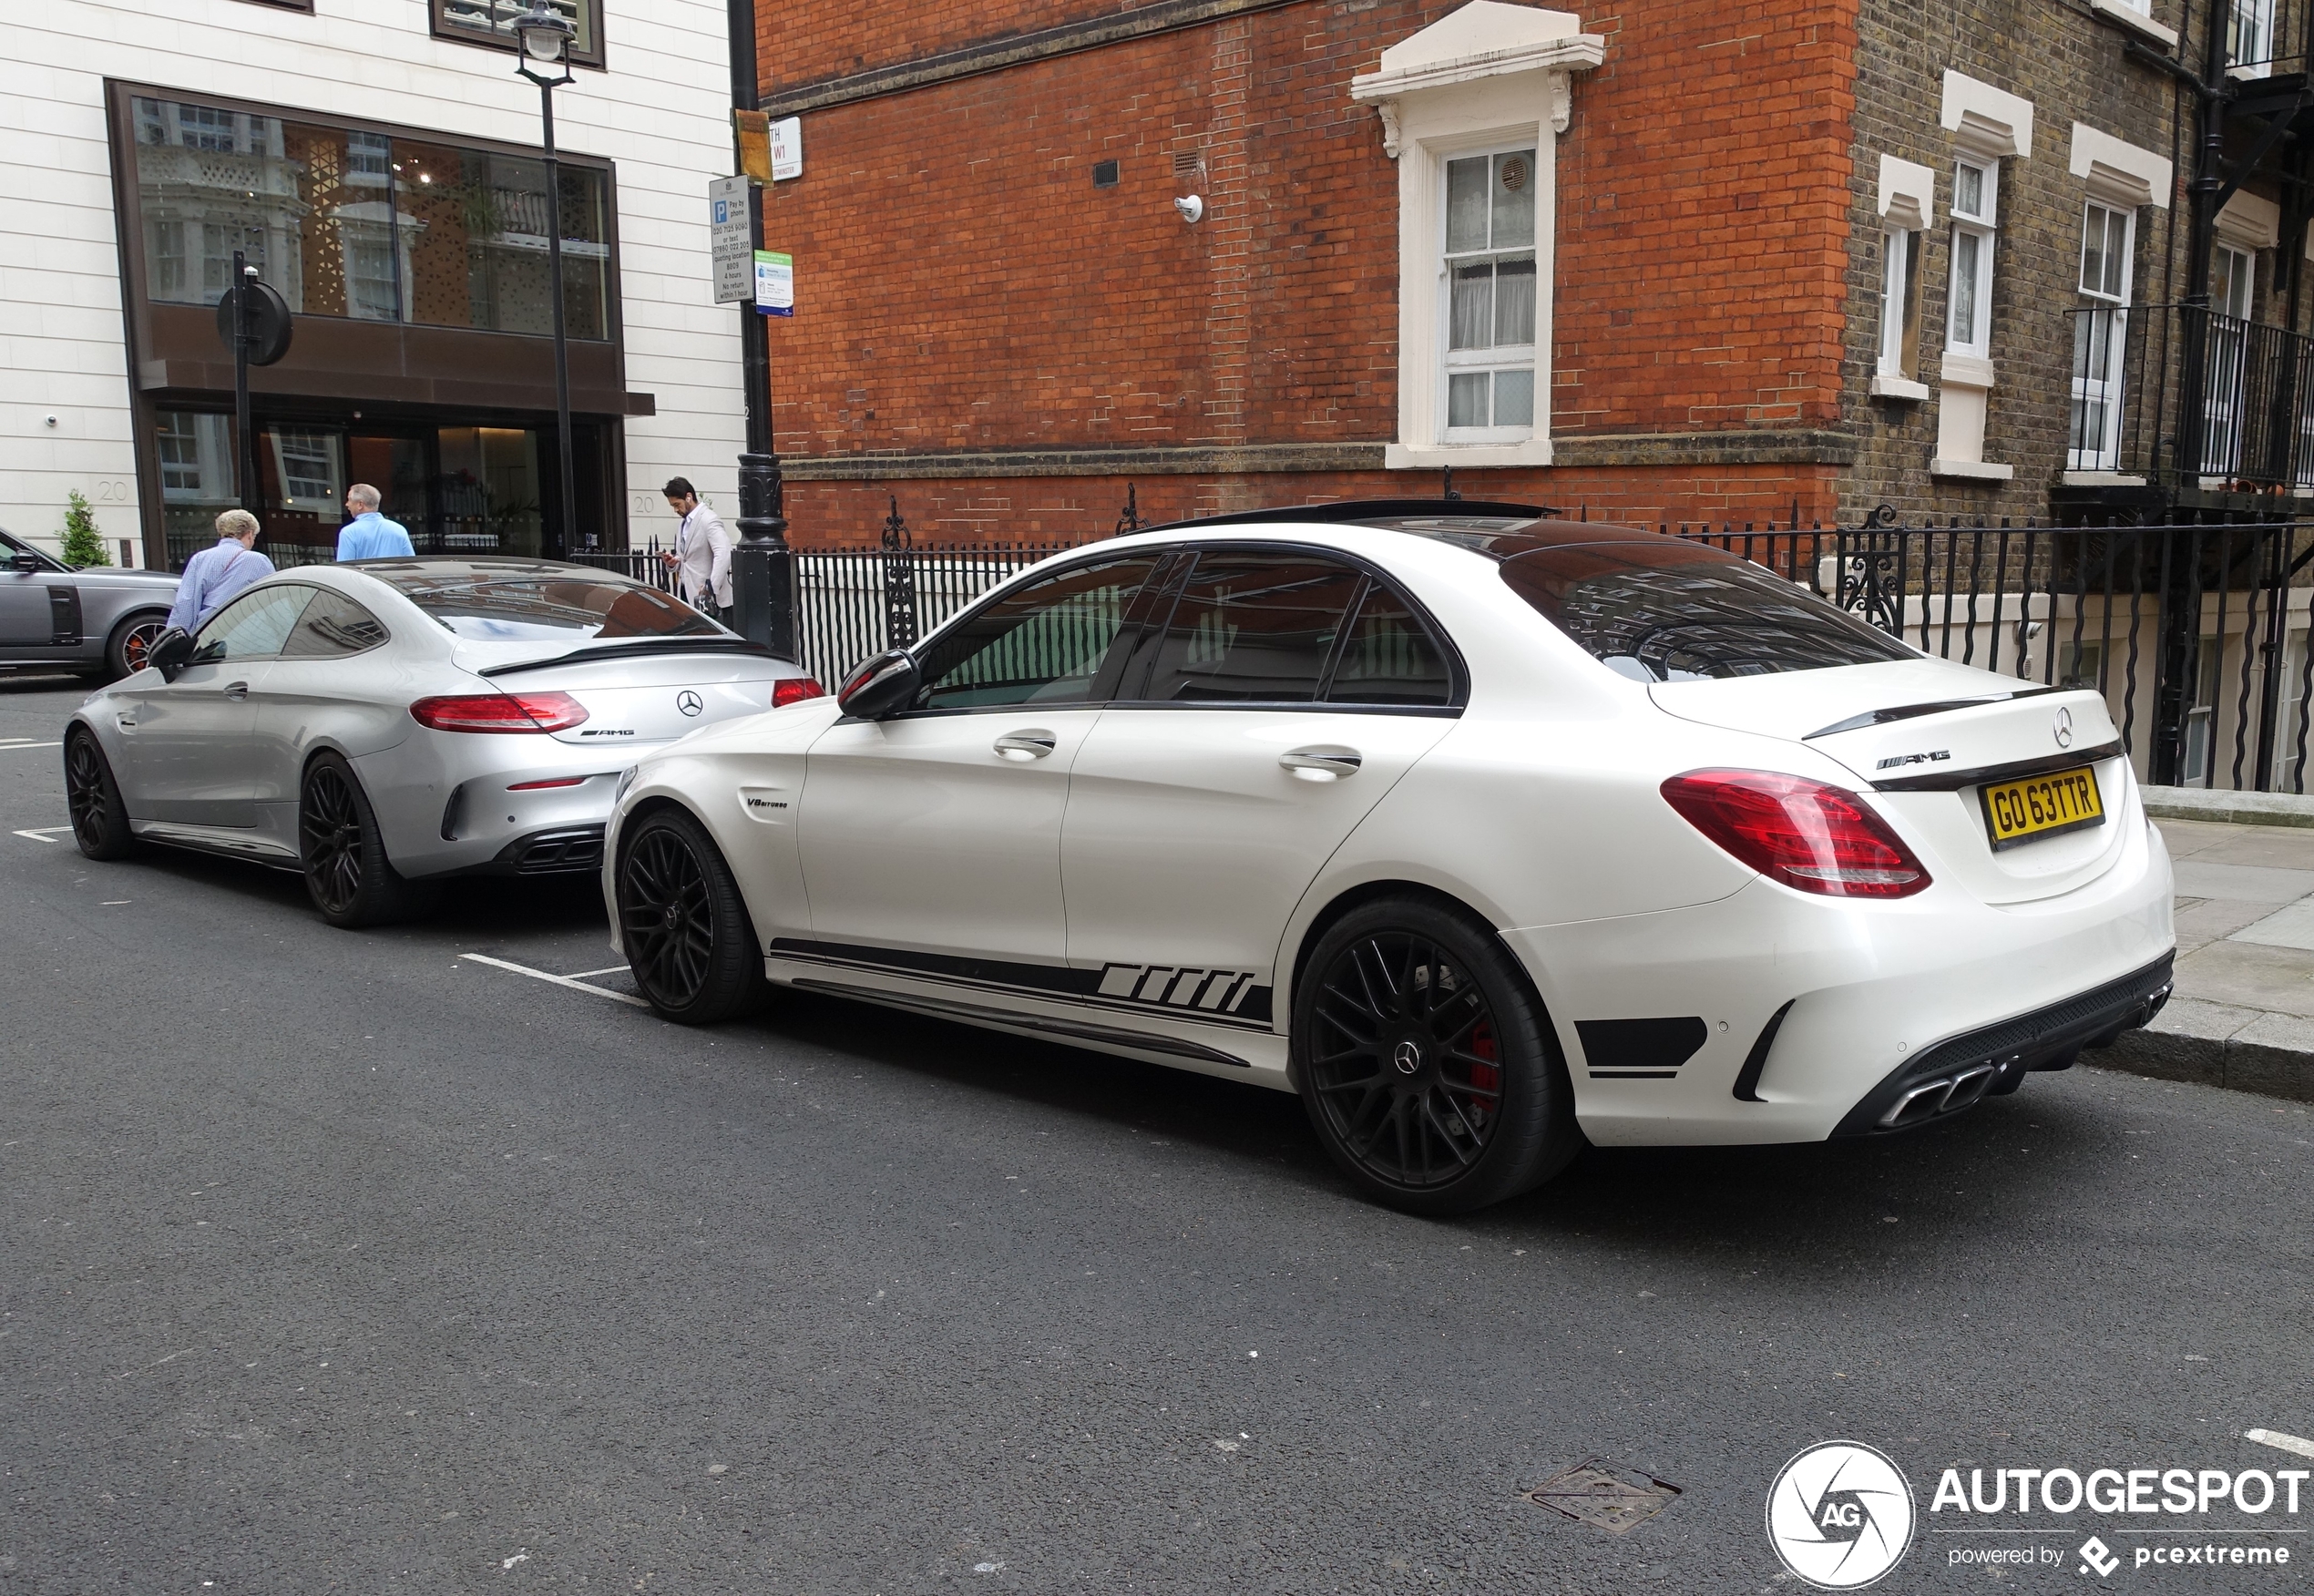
(1407, 1056)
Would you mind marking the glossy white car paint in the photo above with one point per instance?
(1171, 841)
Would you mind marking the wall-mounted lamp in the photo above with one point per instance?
(1192, 208)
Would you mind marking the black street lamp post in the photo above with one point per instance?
(545, 39)
(762, 565)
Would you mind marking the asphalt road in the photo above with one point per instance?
(339, 1262)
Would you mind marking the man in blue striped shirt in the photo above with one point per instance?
(215, 577)
(369, 535)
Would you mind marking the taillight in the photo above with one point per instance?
(794, 690)
(1801, 832)
(500, 711)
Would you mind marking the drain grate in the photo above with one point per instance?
(1608, 1495)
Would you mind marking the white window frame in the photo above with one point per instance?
(2249, 38)
(2090, 388)
(1503, 357)
(1900, 304)
(1983, 226)
(1484, 78)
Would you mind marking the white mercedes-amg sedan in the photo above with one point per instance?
(381, 725)
(1484, 832)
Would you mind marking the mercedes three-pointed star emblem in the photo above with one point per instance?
(2064, 728)
(689, 702)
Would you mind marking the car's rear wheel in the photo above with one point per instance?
(99, 816)
(347, 874)
(684, 922)
(125, 650)
(1426, 1062)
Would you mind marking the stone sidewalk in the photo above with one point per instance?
(2243, 1013)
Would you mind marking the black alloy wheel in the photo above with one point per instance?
(131, 641)
(684, 922)
(100, 816)
(347, 874)
(1426, 1062)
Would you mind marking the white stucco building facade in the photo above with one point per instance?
(379, 156)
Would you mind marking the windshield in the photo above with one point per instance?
(1665, 610)
(548, 609)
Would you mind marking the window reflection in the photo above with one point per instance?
(363, 225)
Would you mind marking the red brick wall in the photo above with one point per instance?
(1703, 219)
(962, 284)
(1074, 509)
(809, 43)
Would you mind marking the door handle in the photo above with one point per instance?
(237, 691)
(1322, 765)
(1023, 746)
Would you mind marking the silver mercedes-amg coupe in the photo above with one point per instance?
(383, 724)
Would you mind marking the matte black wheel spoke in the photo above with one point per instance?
(329, 825)
(85, 791)
(666, 909)
(1401, 1068)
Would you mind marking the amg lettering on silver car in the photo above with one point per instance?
(1933, 757)
(622, 731)
(1177, 987)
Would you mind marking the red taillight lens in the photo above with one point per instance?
(500, 711)
(1801, 832)
(794, 690)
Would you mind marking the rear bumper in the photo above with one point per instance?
(1875, 1000)
(1954, 1075)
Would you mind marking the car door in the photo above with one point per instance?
(1283, 695)
(187, 742)
(931, 841)
(27, 614)
(326, 687)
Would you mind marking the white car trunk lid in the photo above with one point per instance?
(1921, 736)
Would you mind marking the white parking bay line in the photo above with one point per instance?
(606, 970)
(13, 747)
(570, 981)
(46, 834)
(2265, 1437)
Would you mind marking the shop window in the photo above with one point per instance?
(363, 224)
(491, 22)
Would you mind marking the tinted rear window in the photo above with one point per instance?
(541, 608)
(1671, 611)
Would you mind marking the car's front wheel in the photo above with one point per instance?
(130, 641)
(1426, 1062)
(99, 816)
(347, 874)
(684, 923)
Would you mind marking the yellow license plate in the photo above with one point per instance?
(2041, 806)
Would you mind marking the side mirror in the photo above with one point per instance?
(169, 653)
(882, 687)
(28, 563)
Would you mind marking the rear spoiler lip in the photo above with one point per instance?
(1941, 706)
(600, 652)
(1953, 781)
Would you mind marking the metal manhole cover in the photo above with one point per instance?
(1605, 1494)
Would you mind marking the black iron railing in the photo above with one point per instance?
(2195, 635)
(2183, 395)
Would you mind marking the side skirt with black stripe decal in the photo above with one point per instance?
(1230, 998)
(1013, 1019)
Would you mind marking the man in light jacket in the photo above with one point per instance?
(215, 576)
(702, 557)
